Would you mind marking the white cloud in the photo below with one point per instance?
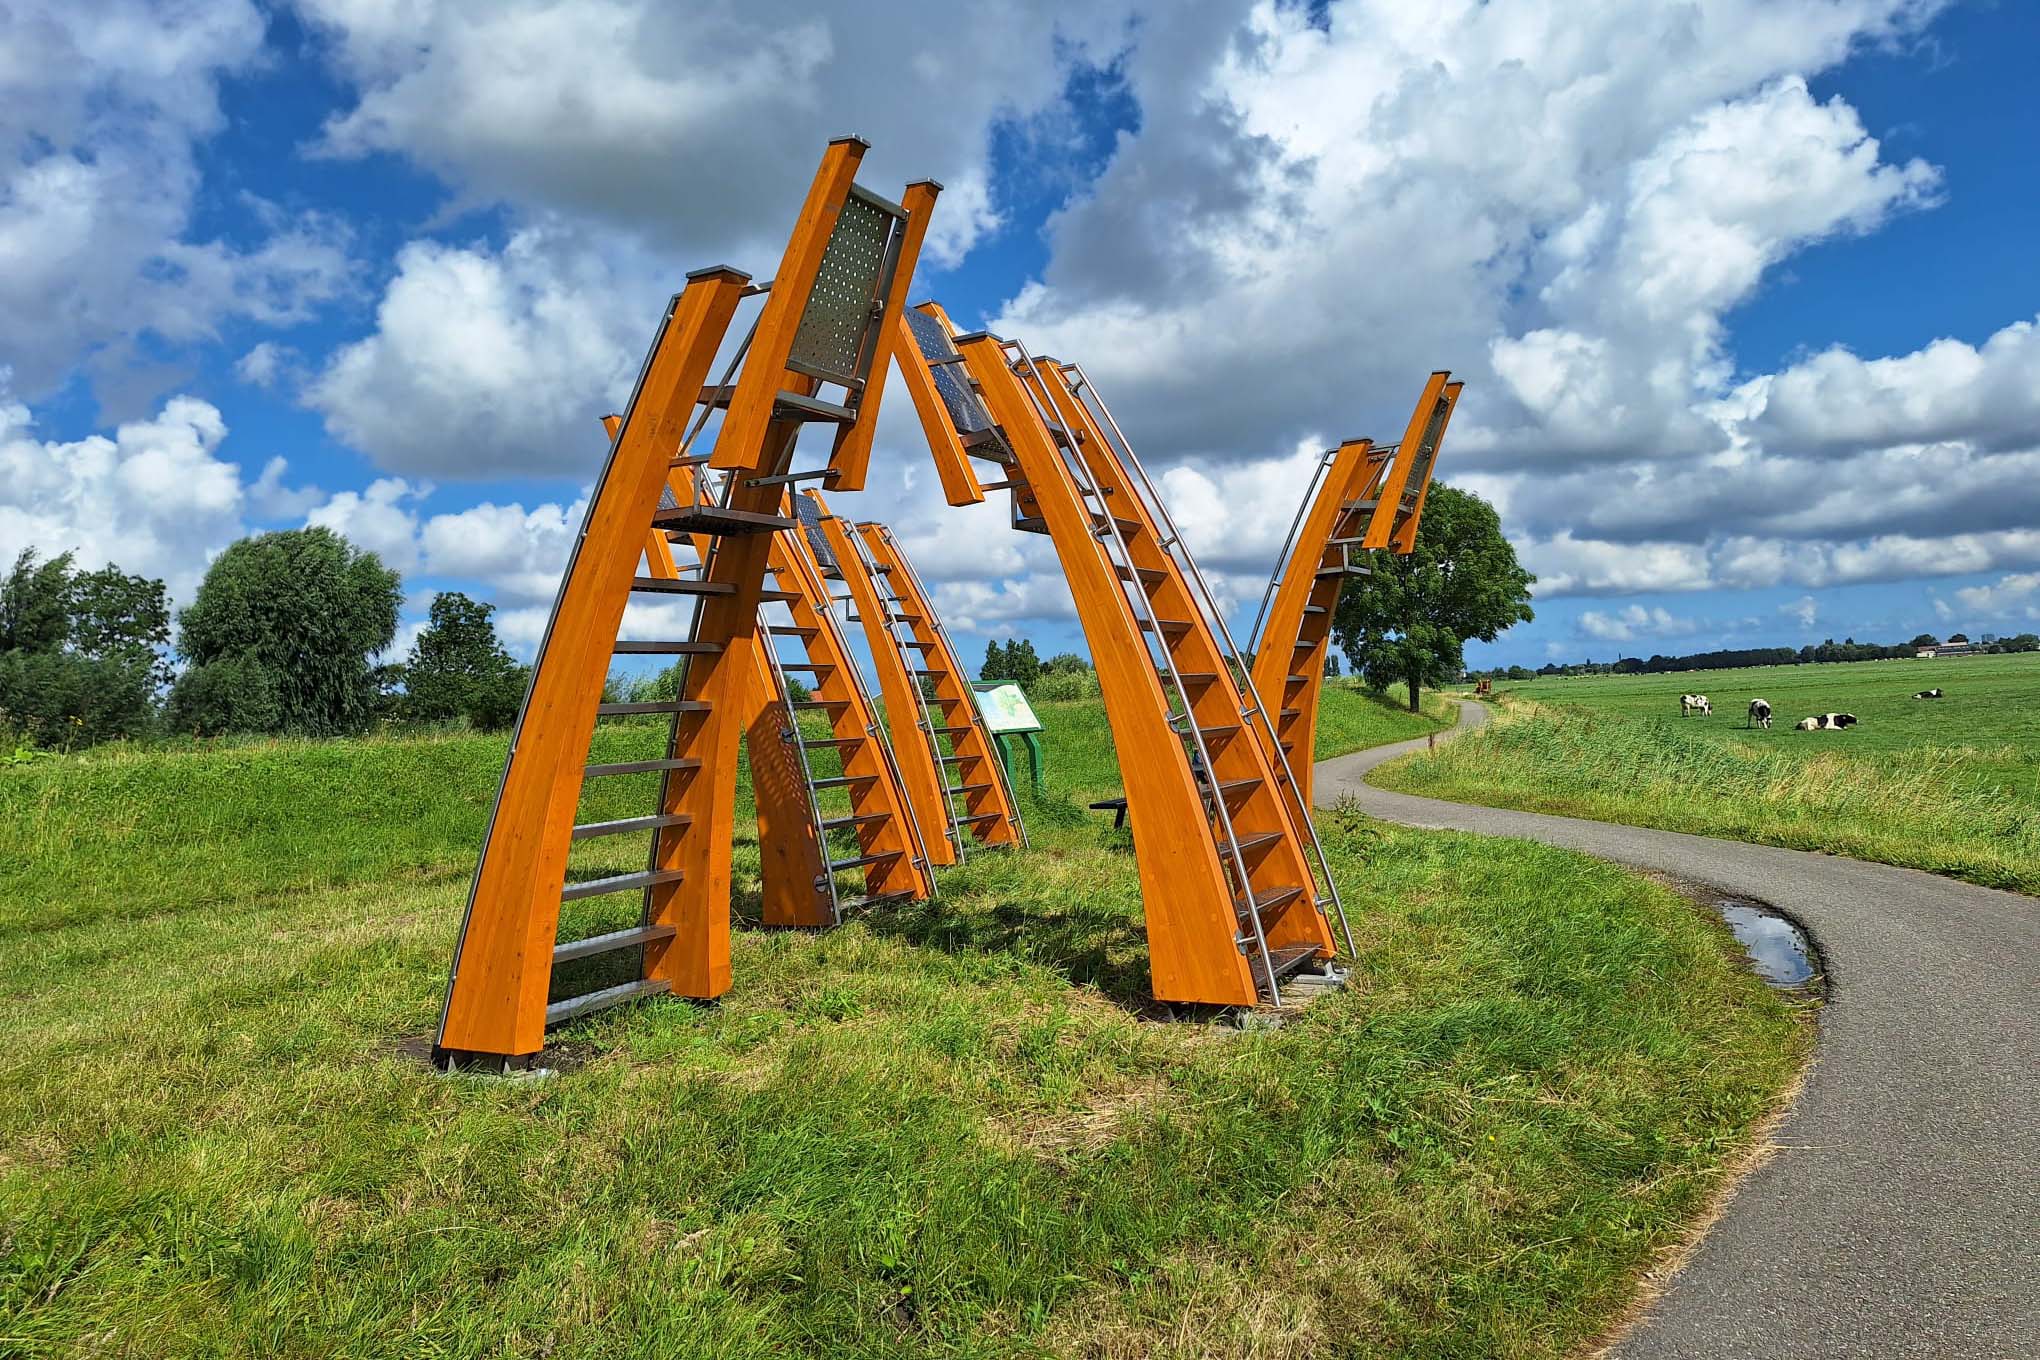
(1634, 621)
(2014, 596)
(104, 105)
(158, 498)
(1803, 611)
(380, 519)
(699, 124)
(488, 363)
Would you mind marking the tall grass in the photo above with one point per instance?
(946, 1130)
(1961, 810)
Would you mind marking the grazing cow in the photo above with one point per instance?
(1689, 704)
(1933, 693)
(1760, 713)
(1827, 722)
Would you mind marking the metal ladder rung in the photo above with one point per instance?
(667, 648)
(778, 596)
(1123, 524)
(980, 816)
(598, 887)
(1227, 788)
(1250, 844)
(689, 460)
(613, 941)
(561, 1011)
(1315, 609)
(874, 900)
(818, 703)
(1290, 959)
(842, 781)
(1189, 678)
(1296, 679)
(664, 706)
(838, 742)
(623, 826)
(876, 857)
(1147, 575)
(790, 630)
(715, 519)
(663, 585)
(817, 666)
(1168, 627)
(854, 819)
(642, 766)
(1270, 899)
(966, 788)
(1348, 570)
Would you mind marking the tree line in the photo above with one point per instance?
(1737, 658)
(281, 638)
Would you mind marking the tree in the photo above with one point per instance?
(309, 610)
(992, 669)
(458, 670)
(1023, 667)
(80, 658)
(1958, 637)
(1925, 640)
(1411, 618)
(233, 694)
(2023, 642)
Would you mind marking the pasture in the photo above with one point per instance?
(1949, 785)
(951, 1129)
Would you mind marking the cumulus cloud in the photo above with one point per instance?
(1634, 621)
(104, 106)
(2014, 596)
(1803, 611)
(157, 498)
(699, 124)
(486, 363)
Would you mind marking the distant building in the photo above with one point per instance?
(1926, 653)
(1946, 649)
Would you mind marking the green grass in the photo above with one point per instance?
(947, 1130)
(1951, 786)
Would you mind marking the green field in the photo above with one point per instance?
(1950, 785)
(949, 1130)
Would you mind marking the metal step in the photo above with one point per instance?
(841, 781)
(1250, 844)
(610, 943)
(662, 585)
(876, 857)
(966, 788)
(1148, 576)
(790, 630)
(642, 766)
(689, 460)
(1198, 679)
(623, 826)
(1290, 959)
(1273, 899)
(1170, 628)
(854, 819)
(560, 1011)
(1348, 570)
(714, 519)
(615, 883)
(664, 706)
(667, 648)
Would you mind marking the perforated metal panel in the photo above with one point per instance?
(667, 500)
(966, 411)
(846, 288)
(811, 525)
(1427, 449)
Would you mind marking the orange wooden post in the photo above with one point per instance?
(1193, 925)
(920, 770)
(1265, 812)
(1289, 653)
(496, 998)
(1419, 444)
(989, 813)
(835, 297)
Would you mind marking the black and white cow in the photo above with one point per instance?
(1827, 722)
(1689, 704)
(1933, 693)
(1760, 713)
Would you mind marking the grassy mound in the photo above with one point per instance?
(946, 1130)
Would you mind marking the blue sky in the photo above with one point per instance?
(1743, 293)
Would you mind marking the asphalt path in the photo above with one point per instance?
(1899, 1214)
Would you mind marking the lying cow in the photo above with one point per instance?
(1933, 693)
(1827, 722)
(1689, 704)
(1760, 713)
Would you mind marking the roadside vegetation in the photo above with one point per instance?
(1949, 785)
(953, 1129)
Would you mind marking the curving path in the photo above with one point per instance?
(1900, 1214)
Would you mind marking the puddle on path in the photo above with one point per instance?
(1777, 949)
